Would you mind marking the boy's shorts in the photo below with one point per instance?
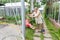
(40, 26)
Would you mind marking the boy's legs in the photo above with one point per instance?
(38, 27)
(41, 27)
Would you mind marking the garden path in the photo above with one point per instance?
(46, 35)
(10, 32)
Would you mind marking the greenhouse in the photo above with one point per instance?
(55, 12)
(29, 19)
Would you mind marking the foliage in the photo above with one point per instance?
(10, 19)
(55, 32)
(56, 10)
(37, 4)
(42, 36)
(52, 10)
(29, 34)
(44, 2)
(32, 21)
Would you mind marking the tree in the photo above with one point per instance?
(44, 2)
(48, 8)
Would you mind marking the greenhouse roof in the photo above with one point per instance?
(42, 7)
(16, 4)
(58, 1)
(1, 6)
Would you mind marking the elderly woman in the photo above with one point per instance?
(38, 18)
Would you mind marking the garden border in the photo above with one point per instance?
(55, 23)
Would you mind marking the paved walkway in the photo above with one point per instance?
(37, 35)
(10, 32)
(47, 35)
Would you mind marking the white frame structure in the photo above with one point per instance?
(23, 17)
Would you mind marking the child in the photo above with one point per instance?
(38, 18)
(28, 24)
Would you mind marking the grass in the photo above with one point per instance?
(42, 36)
(55, 32)
(11, 19)
(29, 34)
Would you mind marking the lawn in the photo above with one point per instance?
(29, 34)
(42, 36)
(55, 32)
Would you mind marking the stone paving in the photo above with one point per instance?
(46, 35)
(37, 35)
(37, 38)
(10, 32)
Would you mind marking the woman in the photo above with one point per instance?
(28, 24)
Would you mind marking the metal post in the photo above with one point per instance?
(23, 17)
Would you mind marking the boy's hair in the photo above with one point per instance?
(35, 8)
